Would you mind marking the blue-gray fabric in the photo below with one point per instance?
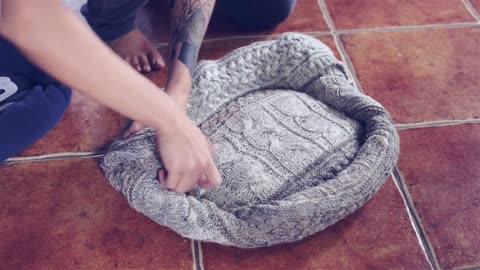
(31, 102)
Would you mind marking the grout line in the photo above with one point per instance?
(240, 38)
(58, 156)
(471, 9)
(159, 45)
(194, 258)
(407, 28)
(197, 255)
(262, 36)
(412, 222)
(326, 15)
(348, 62)
(338, 42)
(73, 155)
(347, 31)
(415, 219)
(439, 123)
(468, 267)
(411, 218)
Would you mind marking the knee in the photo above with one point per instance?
(257, 14)
(27, 120)
(56, 99)
(42, 106)
(279, 12)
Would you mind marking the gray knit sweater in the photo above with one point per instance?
(299, 148)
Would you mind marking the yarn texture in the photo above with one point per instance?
(298, 146)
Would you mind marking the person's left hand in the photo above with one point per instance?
(180, 97)
(178, 88)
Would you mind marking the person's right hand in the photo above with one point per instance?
(187, 157)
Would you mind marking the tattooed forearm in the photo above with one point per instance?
(189, 23)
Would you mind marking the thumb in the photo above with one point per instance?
(212, 175)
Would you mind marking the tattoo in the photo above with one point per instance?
(189, 20)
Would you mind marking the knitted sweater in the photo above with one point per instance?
(298, 147)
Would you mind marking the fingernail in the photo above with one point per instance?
(146, 68)
(163, 184)
(161, 63)
(161, 178)
(205, 185)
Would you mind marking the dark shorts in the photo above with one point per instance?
(31, 102)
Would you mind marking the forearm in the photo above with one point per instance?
(58, 42)
(190, 20)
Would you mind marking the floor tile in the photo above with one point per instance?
(348, 14)
(330, 42)
(159, 77)
(378, 236)
(420, 75)
(476, 4)
(86, 126)
(64, 215)
(442, 171)
(153, 20)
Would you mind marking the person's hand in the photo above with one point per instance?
(179, 96)
(186, 156)
(179, 91)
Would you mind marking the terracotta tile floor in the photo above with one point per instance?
(421, 59)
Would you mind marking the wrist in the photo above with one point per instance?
(166, 120)
(181, 99)
(179, 77)
(179, 88)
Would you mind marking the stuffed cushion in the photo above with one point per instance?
(298, 147)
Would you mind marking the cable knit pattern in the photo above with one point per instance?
(299, 148)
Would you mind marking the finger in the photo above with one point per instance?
(156, 60)
(173, 178)
(212, 174)
(134, 128)
(135, 64)
(212, 148)
(128, 133)
(144, 63)
(128, 59)
(162, 175)
(203, 182)
(187, 182)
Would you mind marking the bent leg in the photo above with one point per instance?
(25, 121)
(31, 102)
(111, 19)
(114, 22)
(256, 14)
